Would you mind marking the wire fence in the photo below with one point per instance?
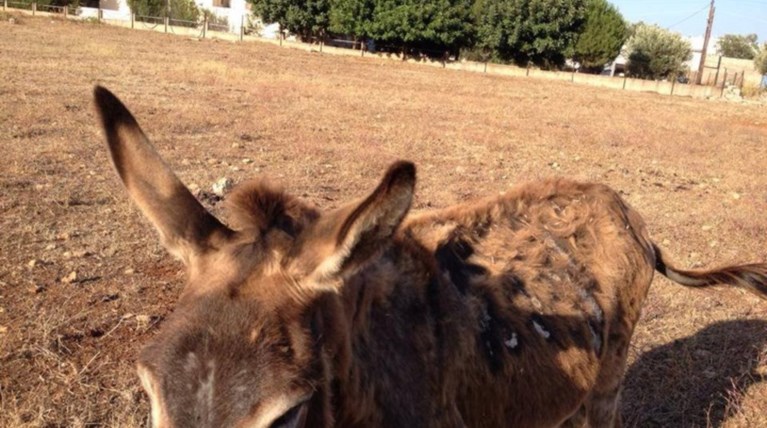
(51, 8)
(152, 21)
(173, 22)
(718, 77)
(218, 27)
(715, 81)
(20, 5)
(207, 22)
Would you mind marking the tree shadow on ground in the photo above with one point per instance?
(690, 381)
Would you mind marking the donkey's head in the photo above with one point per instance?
(258, 330)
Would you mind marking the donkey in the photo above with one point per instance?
(513, 311)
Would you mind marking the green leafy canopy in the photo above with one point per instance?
(542, 32)
(656, 53)
(604, 34)
(307, 18)
(737, 46)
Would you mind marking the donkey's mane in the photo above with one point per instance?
(258, 204)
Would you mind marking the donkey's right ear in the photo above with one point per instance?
(186, 228)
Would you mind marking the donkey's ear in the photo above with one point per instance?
(346, 238)
(186, 228)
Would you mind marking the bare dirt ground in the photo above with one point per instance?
(84, 283)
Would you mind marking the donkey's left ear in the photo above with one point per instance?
(344, 239)
(186, 228)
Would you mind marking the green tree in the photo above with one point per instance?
(352, 17)
(147, 7)
(656, 53)
(423, 25)
(760, 61)
(522, 31)
(178, 9)
(737, 46)
(604, 33)
(487, 30)
(448, 23)
(186, 10)
(306, 18)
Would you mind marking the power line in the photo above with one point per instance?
(689, 17)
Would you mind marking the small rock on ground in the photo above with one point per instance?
(222, 186)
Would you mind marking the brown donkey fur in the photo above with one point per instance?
(514, 311)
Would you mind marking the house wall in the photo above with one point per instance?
(115, 5)
(236, 13)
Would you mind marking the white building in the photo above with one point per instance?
(236, 12)
(119, 6)
(696, 42)
(113, 10)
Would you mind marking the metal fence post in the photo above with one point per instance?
(242, 27)
(204, 25)
(66, 10)
(166, 20)
(34, 8)
(132, 19)
(5, 4)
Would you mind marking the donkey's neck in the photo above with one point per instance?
(406, 329)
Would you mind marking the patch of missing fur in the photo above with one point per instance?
(203, 388)
(485, 321)
(596, 319)
(536, 303)
(512, 342)
(490, 337)
(591, 305)
(597, 339)
(541, 330)
(484, 325)
(205, 393)
(191, 362)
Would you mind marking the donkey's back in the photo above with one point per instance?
(552, 275)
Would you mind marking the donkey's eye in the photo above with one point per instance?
(293, 418)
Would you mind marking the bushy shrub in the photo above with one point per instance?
(656, 53)
(542, 32)
(602, 38)
(737, 46)
(760, 61)
(185, 10)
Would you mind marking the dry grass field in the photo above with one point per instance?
(83, 281)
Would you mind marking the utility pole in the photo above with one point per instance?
(699, 76)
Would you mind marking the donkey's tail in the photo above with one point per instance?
(752, 277)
